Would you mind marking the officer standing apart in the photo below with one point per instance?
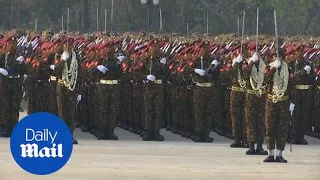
(11, 69)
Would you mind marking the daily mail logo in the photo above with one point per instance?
(33, 150)
(41, 143)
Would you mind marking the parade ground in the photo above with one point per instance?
(174, 159)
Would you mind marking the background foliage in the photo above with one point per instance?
(295, 17)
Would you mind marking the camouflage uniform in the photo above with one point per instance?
(108, 98)
(153, 98)
(237, 106)
(277, 115)
(203, 99)
(255, 111)
(66, 98)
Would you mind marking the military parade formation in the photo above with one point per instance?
(247, 90)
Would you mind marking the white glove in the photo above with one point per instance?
(102, 69)
(78, 98)
(4, 72)
(308, 69)
(121, 58)
(277, 63)
(20, 59)
(52, 67)
(291, 108)
(255, 57)
(215, 62)
(239, 59)
(163, 60)
(65, 56)
(317, 78)
(201, 72)
(151, 77)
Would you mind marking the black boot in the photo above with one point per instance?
(245, 143)
(111, 135)
(208, 139)
(260, 150)
(304, 142)
(269, 159)
(74, 141)
(143, 133)
(6, 132)
(199, 137)
(102, 136)
(157, 136)
(147, 136)
(236, 143)
(251, 150)
(280, 159)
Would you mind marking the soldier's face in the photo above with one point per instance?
(155, 49)
(67, 47)
(109, 51)
(11, 46)
(204, 50)
(58, 48)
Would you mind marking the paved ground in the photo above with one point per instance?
(174, 159)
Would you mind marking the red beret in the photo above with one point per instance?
(107, 43)
(10, 38)
(68, 40)
(35, 37)
(207, 43)
(251, 46)
(97, 46)
(91, 48)
(132, 47)
(154, 41)
(58, 40)
(44, 45)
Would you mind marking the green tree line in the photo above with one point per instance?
(295, 17)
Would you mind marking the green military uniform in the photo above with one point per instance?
(203, 98)
(237, 102)
(68, 88)
(277, 114)
(108, 93)
(11, 90)
(255, 106)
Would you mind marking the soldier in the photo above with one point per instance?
(11, 69)
(42, 75)
(54, 59)
(303, 78)
(278, 101)
(317, 97)
(204, 73)
(255, 102)
(155, 71)
(86, 105)
(108, 73)
(67, 87)
(237, 100)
